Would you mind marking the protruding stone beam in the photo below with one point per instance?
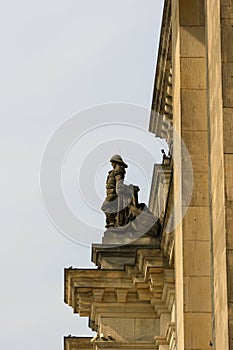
(107, 345)
(78, 343)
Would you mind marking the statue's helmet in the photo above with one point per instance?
(117, 159)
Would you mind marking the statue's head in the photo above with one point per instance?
(117, 159)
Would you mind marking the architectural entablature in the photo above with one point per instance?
(141, 283)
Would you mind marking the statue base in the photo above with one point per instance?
(120, 245)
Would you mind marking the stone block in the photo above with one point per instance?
(197, 330)
(193, 73)
(198, 196)
(193, 109)
(196, 144)
(229, 176)
(196, 224)
(145, 330)
(230, 275)
(225, 2)
(229, 224)
(226, 9)
(78, 343)
(197, 294)
(228, 130)
(119, 328)
(165, 319)
(194, 7)
(196, 258)
(230, 318)
(227, 47)
(110, 256)
(192, 41)
(227, 69)
(130, 329)
(217, 195)
(219, 240)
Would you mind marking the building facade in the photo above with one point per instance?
(174, 290)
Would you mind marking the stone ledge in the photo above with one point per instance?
(109, 256)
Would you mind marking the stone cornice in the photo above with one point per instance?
(146, 287)
(84, 343)
(161, 110)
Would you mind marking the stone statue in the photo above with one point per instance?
(121, 203)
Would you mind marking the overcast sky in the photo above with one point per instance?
(60, 59)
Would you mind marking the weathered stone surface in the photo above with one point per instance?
(193, 109)
(106, 345)
(230, 316)
(116, 257)
(193, 73)
(199, 195)
(225, 2)
(219, 240)
(227, 84)
(194, 7)
(196, 224)
(197, 294)
(192, 41)
(228, 130)
(228, 176)
(196, 258)
(227, 48)
(77, 343)
(197, 330)
(196, 144)
(230, 275)
(229, 224)
(226, 9)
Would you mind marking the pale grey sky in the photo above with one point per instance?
(59, 58)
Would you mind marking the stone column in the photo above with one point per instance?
(192, 242)
(227, 117)
(216, 170)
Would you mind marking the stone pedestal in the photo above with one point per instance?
(120, 248)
